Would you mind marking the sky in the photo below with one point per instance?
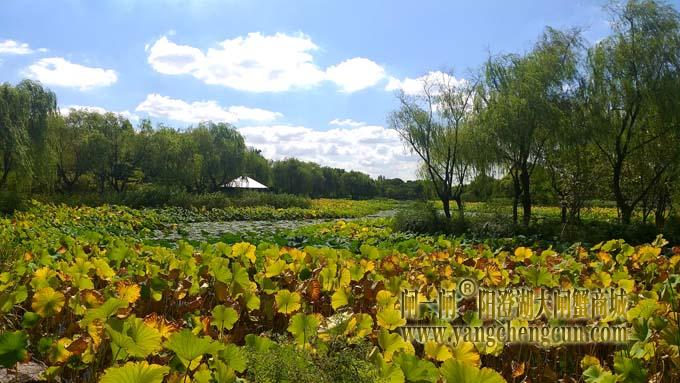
(310, 79)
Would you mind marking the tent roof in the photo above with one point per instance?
(244, 183)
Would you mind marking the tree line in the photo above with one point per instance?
(598, 121)
(43, 151)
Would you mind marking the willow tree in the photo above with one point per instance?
(520, 105)
(41, 113)
(14, 139)
(633, 96)
(223, 153)
(431, 123)
(25, 112)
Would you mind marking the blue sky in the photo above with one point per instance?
(279, 71)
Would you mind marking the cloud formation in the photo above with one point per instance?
(346, 122)
(12, 47)
(415, 86)
(179, 110)
(58, 71)
(261, 63)
(355, 74)
(375, 150)
(65, 110)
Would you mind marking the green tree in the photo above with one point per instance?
(223, 152)
(42, 109)
(430, 123)
(14, 138)
(75, 155)
(519, 107)
(257, 167)
(633, 95)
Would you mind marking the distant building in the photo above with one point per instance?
(244, 183)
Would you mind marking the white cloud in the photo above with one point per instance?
(65, 110)
(355, 74)
(261, 63)
(61, 72)
(415, 86)
(371, 149)
(12, 47)
(169, 58)
(346, 122)
(179, 110)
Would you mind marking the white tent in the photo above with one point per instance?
(244, 183)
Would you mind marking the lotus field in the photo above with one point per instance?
(87, 294)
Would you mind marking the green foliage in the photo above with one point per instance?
(140, 372)
(13, 348)
(422, 218)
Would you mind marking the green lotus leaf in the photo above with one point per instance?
(390, 343)
(13, 348)
(190, 348)
(538, 276)
(416, 369)
(629, 370)
(233, 357)
(224, 317)
(288, 302)
(388, 372)
(141, 372)
(644, 309)
(30, 319)
(303, 327)
(454, 371)
(258, 343)
(132, 338)
(223, 373)
(596, 374)
(103, 312)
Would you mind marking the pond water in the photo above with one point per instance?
(205, 230)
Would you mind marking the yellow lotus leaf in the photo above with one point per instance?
(437, 351)
(95, 330)
(627, 284)
(466, 353)
(492, 276)
(42, 277)
(647, 253)
(345, 278)
(448, 284)
(390, 319)
(288, 302)
(274, 267)
(47, 302)
(360, 324)
(128, 292)
(589, 361)
(522, 253)
(340, 298)
(604, 257)
(675, 260)
(165, 328)
(244, 249)
(368, 265)
(385, 299)
(57, 353)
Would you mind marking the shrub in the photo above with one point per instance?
(340, 363)
(422, 218)
(11, 201)
(282, 363)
